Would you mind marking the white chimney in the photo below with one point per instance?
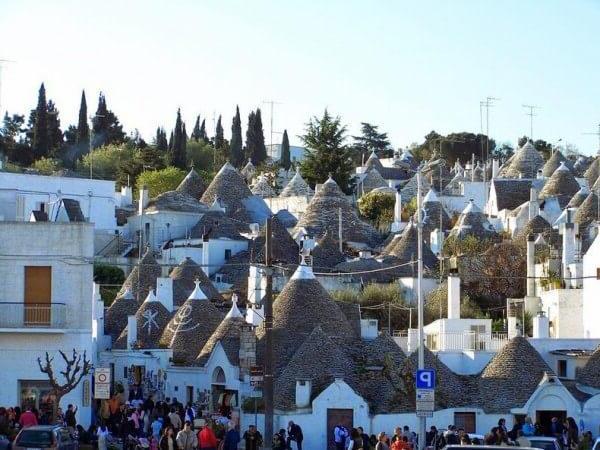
(369, 329)
(534, 204)
(131, 331)
(568, 231)
(530, 265)
(303, 392)
(126, 196)
(97, 309)
(495, 168)
(257, 284)
(398, 207)
(391, 184)
(540, 174)
(541, 326)
(453, 296)
(436, 240)
(164, 292)
(514, 329)
(143, 200)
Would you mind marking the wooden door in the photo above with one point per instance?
(336, 417)
(545, 419)
(38, 295)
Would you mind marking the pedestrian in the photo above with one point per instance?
(556, 428)
(528, 428)
(253, 438)
(355, 440)
(278, 442)
(189, 413)
(206, 437)
(186, 438)
(102, 434)
(167, 440)
(401, 444)
(382, 442)
(365, 438)
(340, 434)
(175, 420)
(157, 426)
(232, 437)
(28, 418)
(397, 435)
(294, 434)
(70, 418)
(412, 436)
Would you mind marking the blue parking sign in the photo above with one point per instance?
(426, 379)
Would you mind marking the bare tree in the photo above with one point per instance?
(77, 367)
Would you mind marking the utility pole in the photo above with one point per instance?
(488, 103)
(597, 133)
(531, 108)
(420, 308)
(214, 140)
(2, 62)
(271, 102)
(268, 374)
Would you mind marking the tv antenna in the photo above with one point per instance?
(597, 133)
(531, 113)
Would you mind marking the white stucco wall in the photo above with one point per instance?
(180, 224)
(591, 291)
(564, 309)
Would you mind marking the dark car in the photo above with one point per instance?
(45, 436)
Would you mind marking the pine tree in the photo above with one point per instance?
(219, 137)
(106, 126)
(196, 130)
(83, 129)
(170, 144)
(236, 151)
(160, 141)
(40, 143)
(177, 151)
(326, 152)
(203, 134)
(285, 161)
(55, 134)
(255, 139)
(372, 140)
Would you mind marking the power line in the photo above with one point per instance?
(597, 133)
(531, 114)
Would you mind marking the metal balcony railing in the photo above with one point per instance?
(32, 315)
(455, 341)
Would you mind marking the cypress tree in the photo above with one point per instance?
(170, 145)
(106, 126)
(178, 156)
(219, 138)
(83, 129)
(203, 134)
(160, 141)
(236, 152)
(55, 134)
(196, 130)
(285, 161)
(255, 139)
(41, 145)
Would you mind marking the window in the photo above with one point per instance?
(562, 368)
(227, 254)
(465, 420)
(218, 278)
(37, 295)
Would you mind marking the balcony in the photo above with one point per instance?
(453, 341)
(21, 317)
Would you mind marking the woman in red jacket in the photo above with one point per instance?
(206, 438)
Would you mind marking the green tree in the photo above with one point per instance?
(105, 126)
(177, 154)
(55, 134)
(285, 160)
(160, 140)
(326, 152)
(503, 152)
(13, 142)
(236, 152)
(545, 148)
(196, 130)
(377, 208)
(47, 166)
(39, 123)
(255, 139)
(220, 138)
(372, 140)
(83, 128)
(159, 181)
(110, 278)
(108, 160)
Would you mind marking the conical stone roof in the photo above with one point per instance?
(587, 212)
(405, 248)
(248, 171)
(322, 215)
(524, 163)
(262, 188)
(142, 278)
(592, 172)
(285, 250)
(151, 319)
(192, 185)
(472, 222)
(578, 198)
(589, 375)
(512, 376)
(191, 327)
(434, 212)
(409, 190)
(297, 187)
(372, 180)
(115, 318)
(539, 226)
(231, 189)
(553, 163)
(326, 253)
(581, 165)
(176, 201)
(374, 163)
(562, 184)
(184, 278)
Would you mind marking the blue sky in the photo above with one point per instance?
(409, 67)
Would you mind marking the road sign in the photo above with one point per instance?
(426, 379)
(256, 376)
(424, 413)
(102, 383)
(425, 395)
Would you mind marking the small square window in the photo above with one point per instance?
(562, 368)
(227, 254)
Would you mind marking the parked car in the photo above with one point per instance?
(45, 436)
(545, 443)
(596, 444)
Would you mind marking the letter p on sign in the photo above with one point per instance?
(426, 379)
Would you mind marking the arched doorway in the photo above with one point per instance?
(223, 400)
(546, 408)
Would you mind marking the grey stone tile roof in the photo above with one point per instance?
(73, 210)
(230, 188)
(589, 375)
(248, 171)
(152, 317)
(189, 329)
(297, 187)
(372, 180)
(375, 269)
(511, 193)
(525, 163)
(539, 225)
(511, 376)
(587, 212)
(286, 218)
(192, 185)
(285, 249)
(326, 253)
(405, 248)
(472, 222)
(176, 201)
(322, 214)
(262, 188)
(217, 225)
(562, 185)
(592, 172)
(409, 189)
(397, 172)
(115, 317)
(39, 216)
(228, 334)
(142, 278)
(581, 165)
(578, 198)
(184, 276)
(553, 163)
(434, 212)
